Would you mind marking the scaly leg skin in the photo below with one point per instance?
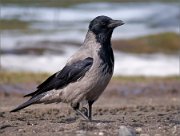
(90, 103)
(76, 108)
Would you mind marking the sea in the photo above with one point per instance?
(53, 34)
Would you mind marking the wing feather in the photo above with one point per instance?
(69, 74)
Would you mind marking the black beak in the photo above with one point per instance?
(115, 23)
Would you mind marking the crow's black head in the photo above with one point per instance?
(104, 25)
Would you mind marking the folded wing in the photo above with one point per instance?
(69, 74)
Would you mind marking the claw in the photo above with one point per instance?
(82, 114)
(84, 110)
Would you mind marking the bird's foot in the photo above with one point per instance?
(82, 114)
(84, 110)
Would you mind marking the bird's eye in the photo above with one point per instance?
(103, 24)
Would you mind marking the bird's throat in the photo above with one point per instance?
(104, 38)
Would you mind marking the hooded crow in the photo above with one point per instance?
(86, 73)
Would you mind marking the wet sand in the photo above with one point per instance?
(147, 113)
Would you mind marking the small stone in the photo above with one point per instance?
(126, 131)
(138, 130)
(28, 123)
(159, 127)
(144, 135)
(20, 130)
(99, 124)
(174, 129)
(101, 133)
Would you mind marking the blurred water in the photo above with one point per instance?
(70, 25)
(125, 64)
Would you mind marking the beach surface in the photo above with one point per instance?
(150, 107)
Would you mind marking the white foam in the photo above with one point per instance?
(125, 64)
(146, 65)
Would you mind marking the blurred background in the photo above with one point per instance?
(38, 36)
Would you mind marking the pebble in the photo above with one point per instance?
(101, 133)
(144, 134)
(126, 131)
(174, 129)
(28, 123)
(138, 130)
(99, 124)
(20, 130)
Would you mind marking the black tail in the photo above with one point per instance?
(26, 104)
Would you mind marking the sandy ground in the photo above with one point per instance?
(153, 114)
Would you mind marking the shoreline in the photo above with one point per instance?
(21, 83)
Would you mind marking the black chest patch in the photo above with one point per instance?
(107, 57)
(105, 53)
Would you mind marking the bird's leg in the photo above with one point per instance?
(90, 103)
(76, 108)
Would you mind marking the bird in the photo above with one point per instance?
(86, 73)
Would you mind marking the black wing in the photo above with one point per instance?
(69, 74)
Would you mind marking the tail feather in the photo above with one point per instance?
(26, 104)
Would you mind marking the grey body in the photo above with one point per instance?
(91, 85)
(85, 75)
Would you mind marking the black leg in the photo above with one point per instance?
(76, 108)
(90, 103)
